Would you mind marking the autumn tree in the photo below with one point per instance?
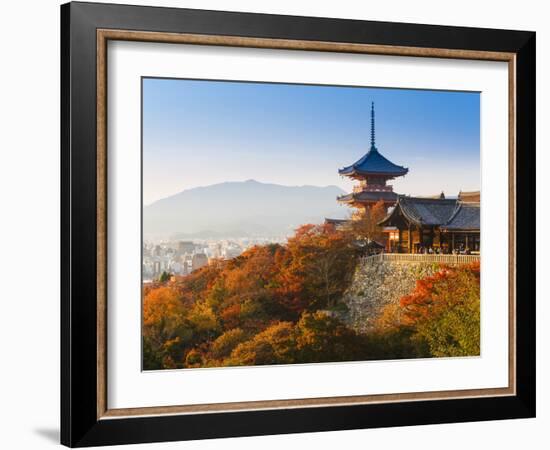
(365, 225)
(324, 259)
(442, 313)
(203, 320)
(164, 326)
(275, 345)
(245, 294)
(163, 314)
(257, 308)
(322, 338)
(193, 359)
(200, 281)
(226, 343)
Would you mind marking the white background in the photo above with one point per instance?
(128, 387)
(29, 177)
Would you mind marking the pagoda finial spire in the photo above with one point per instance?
(372, 145)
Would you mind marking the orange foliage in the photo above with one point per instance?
(434, 294)
(230, 316)
(161, 304)
(265, 286)
(274, 345)
(320, 267)
(366, 226)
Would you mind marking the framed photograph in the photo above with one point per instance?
(276, 224)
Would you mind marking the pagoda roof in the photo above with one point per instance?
(368, 196)
(373, 163)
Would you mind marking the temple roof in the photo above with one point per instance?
(368, 196)
(465, 217)
(449, 214)
(427, 211)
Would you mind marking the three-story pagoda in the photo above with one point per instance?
(373, 171)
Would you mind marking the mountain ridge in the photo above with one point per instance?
(241, 209)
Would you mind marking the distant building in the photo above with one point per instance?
(156, 267)
(215, 249)
(176, 267)
(199, 260)
(185, 247)
(232, 252)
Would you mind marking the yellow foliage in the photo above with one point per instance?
(203, 317)
(163, 312)
(274, 345)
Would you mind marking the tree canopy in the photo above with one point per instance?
(280, 304)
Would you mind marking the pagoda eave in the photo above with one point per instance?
(364, 204)
(368, 198)
(361, 175)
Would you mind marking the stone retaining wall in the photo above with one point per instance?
(376, 284)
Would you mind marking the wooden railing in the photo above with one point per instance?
(372, 188)
(420, 257)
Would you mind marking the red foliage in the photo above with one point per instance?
(263, 286)
(230, 316)
(436, 293)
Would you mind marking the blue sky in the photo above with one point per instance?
(197, 133)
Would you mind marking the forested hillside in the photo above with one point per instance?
(279, 304)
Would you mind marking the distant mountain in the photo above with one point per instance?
(241, 209)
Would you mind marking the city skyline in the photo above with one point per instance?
(199, 133)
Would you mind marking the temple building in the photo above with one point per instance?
(413, 224)
(420, 224)
(372, 171)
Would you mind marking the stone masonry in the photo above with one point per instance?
(378, 283)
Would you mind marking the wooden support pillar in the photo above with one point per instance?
(410, 239)
(400, 241)
(452, 242)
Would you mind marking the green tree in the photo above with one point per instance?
(164, 276)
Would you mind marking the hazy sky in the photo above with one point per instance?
(197, 133)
